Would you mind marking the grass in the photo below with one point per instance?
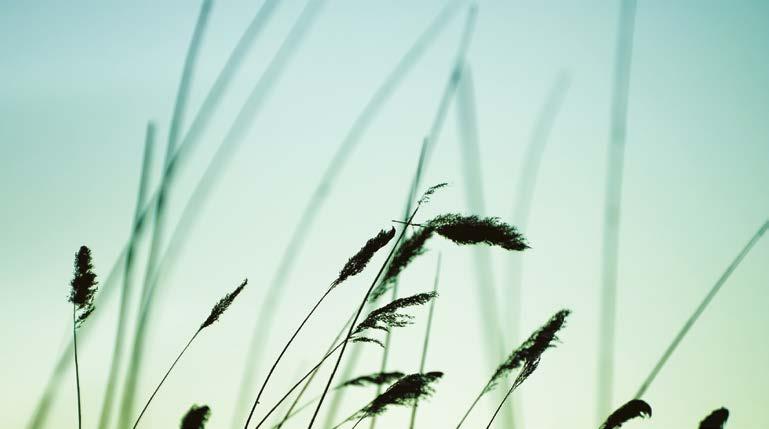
(398, 389)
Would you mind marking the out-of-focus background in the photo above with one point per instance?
(79, 81)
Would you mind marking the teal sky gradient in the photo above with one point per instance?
(79, 81)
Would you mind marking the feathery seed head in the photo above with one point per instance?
(222, 306)
(83, 285)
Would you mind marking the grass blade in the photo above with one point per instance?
(321, 192)
(426, 342)
(125, 296)
(615, 162)
(700, 309)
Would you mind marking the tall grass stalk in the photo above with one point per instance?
(700, 309)
(302, 229)
(187, 145)
(428, 330)
(614, 176)
(313, 375)
(216, 312)
(431, 140)
(365, 300)
(125, 296)
(354, 266)
(467, 119)
(158, 226)
(527, 182)
(82, 289)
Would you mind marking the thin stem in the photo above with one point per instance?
(423, 359)
(309, 373)
(698, 312)
(355, 319)
(289, 412)
(164, 378)
(324, 187)
(77, 367)
(475, 402)
(283, 352)
(501, 403)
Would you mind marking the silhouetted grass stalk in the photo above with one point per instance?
(216, 312)
(82, 289)
(700, 309)
(355, 265)
(614, 176)
(426, 342)
(432, 138)
(363, 304)
(323, 189)
(125, 296)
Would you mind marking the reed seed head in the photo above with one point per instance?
(358, 262)
(83, 285)
(406, 391)
(376, 379)
(222, 306)
(715, 420)
(633, 409)
(196, 417)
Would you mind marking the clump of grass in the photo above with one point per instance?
(460, 229)
(715, 420)
(82, 289)
(218, 309)
(404, 392)
(633, 409)
(424, 199)
(354, 265)
(526, 358)
(196, 417)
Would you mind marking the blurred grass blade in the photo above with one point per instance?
(615, 162)
(126, 295)
(317, 199)
(423, 359)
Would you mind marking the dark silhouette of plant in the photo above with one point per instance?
(526, 358)
(715, 420)
(196, 417)
(406, 391)
(82, 289)
(424, 199)
(387, 317)
(633, 409)
(426, 342)
(218, 309)
(458, 228)
(354, 266)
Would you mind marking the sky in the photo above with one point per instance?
(79, 82)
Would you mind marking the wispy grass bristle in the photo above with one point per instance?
(430, 191)
(715, 420)
(222, 306)
(407, 391)
(358, 262)
(196, 417)
(633, 409)
(376, 379)
(526, 358)
(83, 285)
(388, 317)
